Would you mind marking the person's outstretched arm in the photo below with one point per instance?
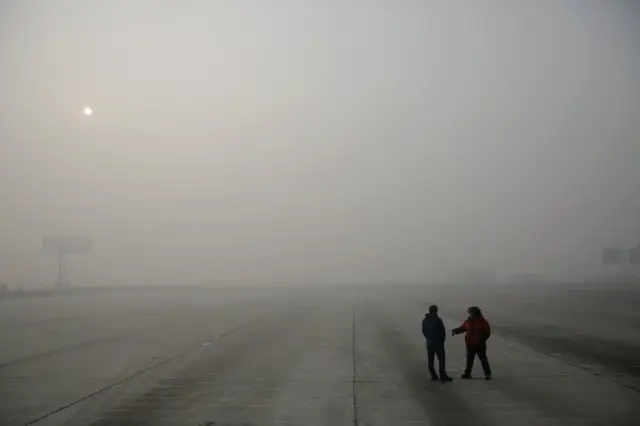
(460, 329)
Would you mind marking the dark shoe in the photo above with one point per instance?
(487, 377)
(446, 379)
(435, 378)
(466, 376)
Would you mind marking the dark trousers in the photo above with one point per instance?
(432, 353)
(481, 351)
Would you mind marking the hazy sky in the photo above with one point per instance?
(319, 139)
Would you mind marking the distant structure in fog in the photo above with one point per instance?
(633, 255)
(621, 257)
(63, 246)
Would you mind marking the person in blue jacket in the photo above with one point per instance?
(433, 330)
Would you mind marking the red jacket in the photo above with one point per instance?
(477, 330)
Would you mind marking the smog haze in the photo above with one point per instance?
(318, 141)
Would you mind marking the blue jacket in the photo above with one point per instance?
(433, 330)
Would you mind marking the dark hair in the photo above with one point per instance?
(474, 311)
(433, 309)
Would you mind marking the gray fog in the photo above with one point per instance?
(318, 140)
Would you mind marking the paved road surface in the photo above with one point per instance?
(299, 357)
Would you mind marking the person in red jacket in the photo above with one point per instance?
(477, 331)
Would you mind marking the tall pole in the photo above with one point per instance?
(625, 264)
(60, 268)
